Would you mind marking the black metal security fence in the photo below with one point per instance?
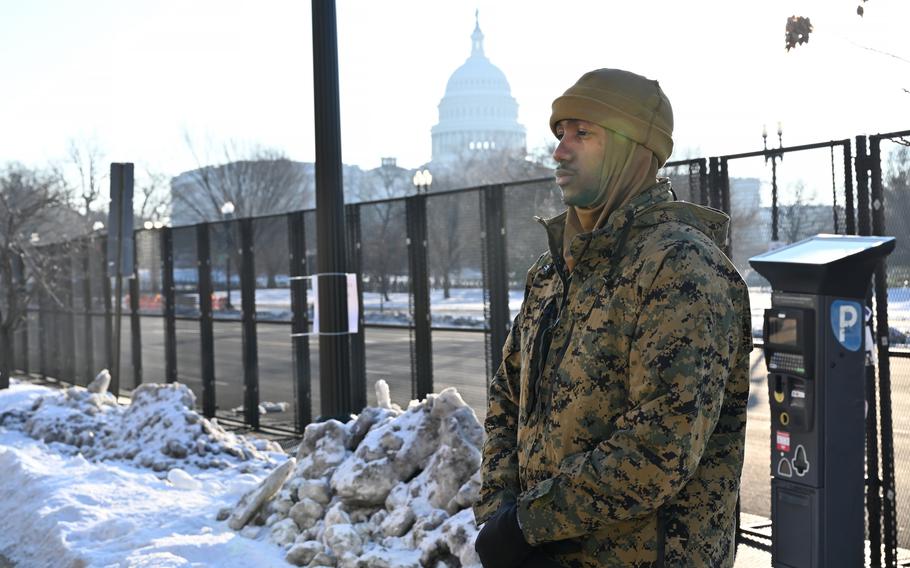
(222, 307)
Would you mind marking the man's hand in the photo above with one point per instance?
(501, 543)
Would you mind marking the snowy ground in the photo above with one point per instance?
(62, 510)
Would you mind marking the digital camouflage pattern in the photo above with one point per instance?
(623, 442)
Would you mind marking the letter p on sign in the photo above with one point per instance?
(845, 324)
(848, 318)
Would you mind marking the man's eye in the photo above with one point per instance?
(559, 135)
(582, 132)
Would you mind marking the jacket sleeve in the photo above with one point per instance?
(683, 347)
(499, 467)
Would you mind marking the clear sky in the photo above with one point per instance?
(135, 75)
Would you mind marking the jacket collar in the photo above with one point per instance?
(605, 237)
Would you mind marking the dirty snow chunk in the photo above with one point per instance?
(388, 453)
(467, 495)
(343, 539)
(302, 553)
(250, 503)
(284, 532)
(100, 383)
(398, 521)
(182, 480)
(316, 489)
(306, 512)
(324, 446)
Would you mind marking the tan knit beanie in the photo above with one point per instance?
(623, 102)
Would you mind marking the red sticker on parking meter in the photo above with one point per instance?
(783, 441)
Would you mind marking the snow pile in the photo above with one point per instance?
(158, 429)
(64, 510)
(390, 488)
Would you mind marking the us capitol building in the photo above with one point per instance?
(477, 112)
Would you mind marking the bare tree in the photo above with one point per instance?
(150, 198)
(382, 223)
(801, 218)
(91, 172)
(30, 203)
(257, 180)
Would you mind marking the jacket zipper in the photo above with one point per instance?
(661, 539)
(559, 356)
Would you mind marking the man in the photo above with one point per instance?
(616, 422)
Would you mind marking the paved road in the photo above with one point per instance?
(459, 361)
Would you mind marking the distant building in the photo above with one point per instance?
(477, 112)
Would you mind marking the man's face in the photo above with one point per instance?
(579, 160)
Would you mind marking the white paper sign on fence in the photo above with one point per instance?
(353, 303)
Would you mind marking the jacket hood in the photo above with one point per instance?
(712, 222)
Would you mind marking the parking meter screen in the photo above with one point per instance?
(782, 331)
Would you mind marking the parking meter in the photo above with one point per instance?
(814, 350)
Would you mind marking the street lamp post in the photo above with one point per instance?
(773, 155)
(422, 180)
(227, 210)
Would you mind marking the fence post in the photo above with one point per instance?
(135, 322)
(42, 331)
(87, 327)
(714, 183)
(248, 321)
(206, 333)
(422, 363)
(170, 309)
(52, 329)
(358, 347)
(68, 329)
(300, 319)
(884, 362)
(862, 186)
(20, 283)
(494, 236)
(849, 213)
(725, 202)
(108, 319)
(703, 181)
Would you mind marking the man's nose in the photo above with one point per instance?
(560, 154)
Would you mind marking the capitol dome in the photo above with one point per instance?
(478, 112)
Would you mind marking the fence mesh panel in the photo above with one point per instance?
(273, 305)
(228, 367)
(455, 254)
(271, 254)
(386, 296)
(224, 244)
(186, 291)
(148, 270)
(152, 330)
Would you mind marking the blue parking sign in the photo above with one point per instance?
(846, 323)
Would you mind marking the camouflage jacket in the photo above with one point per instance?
(617, 418)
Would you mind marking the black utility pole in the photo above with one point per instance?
(334, 353)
